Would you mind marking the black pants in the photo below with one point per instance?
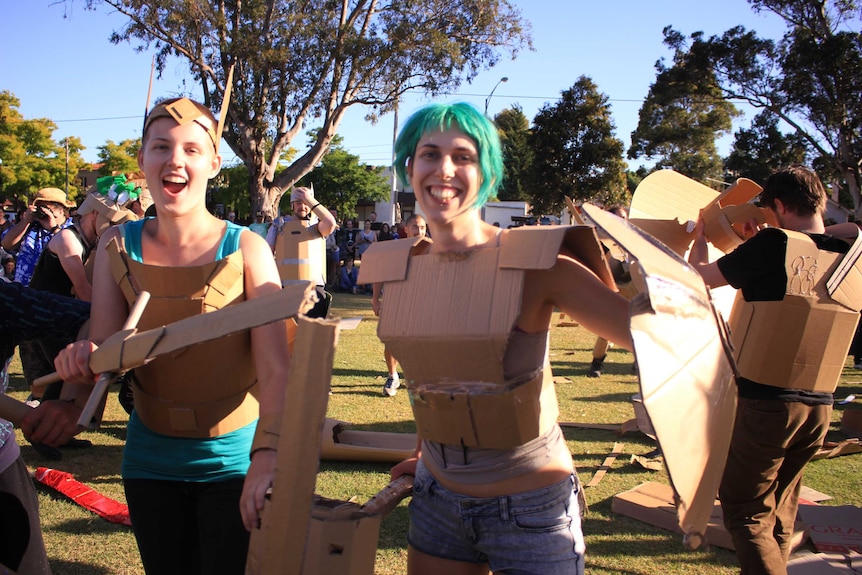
(187, 528)
(321, 308)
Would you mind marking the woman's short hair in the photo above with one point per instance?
(469, 120)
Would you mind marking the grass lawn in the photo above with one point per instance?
(80, 543)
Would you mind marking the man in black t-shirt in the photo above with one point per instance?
(779, 424)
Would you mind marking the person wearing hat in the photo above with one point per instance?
(61, 266)
(47, 215)
(65, 268)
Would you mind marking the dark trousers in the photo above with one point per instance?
(21, 546)
(771, 443)
(187, 528)
(37, 359)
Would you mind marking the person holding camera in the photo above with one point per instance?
(48, 214)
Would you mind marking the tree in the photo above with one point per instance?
(341, 180)
(811, 79)
(297, 63)
(230, 189)
(122, 157)
(576, 153)
(31, 159)
(514, 129)
(762, 149)
(680, 120)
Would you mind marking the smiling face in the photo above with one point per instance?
(300, 210)
(178, 161)
(444, 173)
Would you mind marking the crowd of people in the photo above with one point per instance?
(196, 482)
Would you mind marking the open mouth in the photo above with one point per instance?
(174, 185)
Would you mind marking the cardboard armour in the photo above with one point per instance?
(300, 253)
(685, 370)
(801, 342)
(215, 396)
(463, 337)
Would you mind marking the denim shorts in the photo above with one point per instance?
(534, 532)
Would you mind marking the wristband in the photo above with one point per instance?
(315, 206)
(267, 433)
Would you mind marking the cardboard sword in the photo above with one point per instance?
(128, 349)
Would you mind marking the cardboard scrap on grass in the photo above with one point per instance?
(833, 529)
(807, 563)
(653, 503)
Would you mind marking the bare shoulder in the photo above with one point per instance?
(261, 272)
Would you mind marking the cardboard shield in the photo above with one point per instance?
(685, 370)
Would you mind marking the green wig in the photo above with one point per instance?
(467, 119)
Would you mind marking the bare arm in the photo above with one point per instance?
(376, 289)
(16, 233)
(578, 292)
(698, 256)
(70, 253)
(845, 230)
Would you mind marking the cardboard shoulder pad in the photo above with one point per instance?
(531, 247)
(387, 261)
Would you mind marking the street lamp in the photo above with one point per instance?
(488, 99)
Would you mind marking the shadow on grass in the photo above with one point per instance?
(93, 465)
(88, 526)
(76, 568)
(372, 373)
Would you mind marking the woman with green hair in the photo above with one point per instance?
(490, 498)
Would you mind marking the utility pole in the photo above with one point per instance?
(66, 145)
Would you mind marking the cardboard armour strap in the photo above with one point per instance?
(685, 370)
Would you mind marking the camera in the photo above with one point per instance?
(40, 214)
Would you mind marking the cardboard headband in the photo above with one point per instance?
(184, 110)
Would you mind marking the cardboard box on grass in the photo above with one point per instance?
(807, 563)
(654, 504)
(833, 529)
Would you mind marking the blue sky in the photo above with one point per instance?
(57, 59)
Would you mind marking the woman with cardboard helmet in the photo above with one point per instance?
(491, 456)
(194, 471)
